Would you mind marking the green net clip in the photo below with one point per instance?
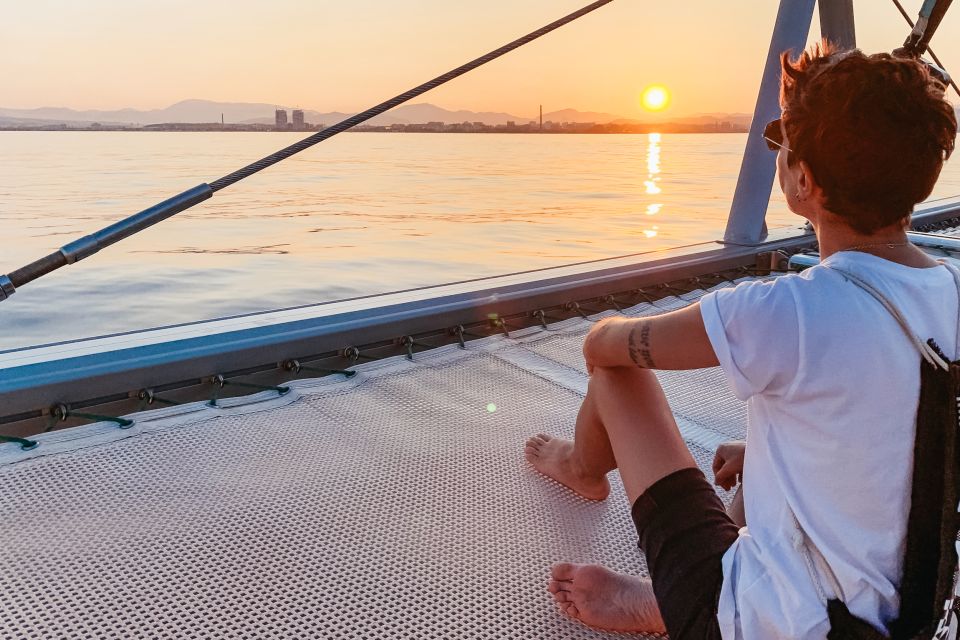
(353, 354)
(575, 307)
(613, 302)
(643, 294)
(460, 332)
(499, 323)
(542, 316)
(24, 443)
(410, 343)
(148, 397)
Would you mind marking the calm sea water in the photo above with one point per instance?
(358, 214)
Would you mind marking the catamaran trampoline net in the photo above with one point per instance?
(394, 504)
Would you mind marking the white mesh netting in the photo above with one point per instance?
(395, 504)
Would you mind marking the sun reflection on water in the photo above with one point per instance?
(652, 183)
(653, 164)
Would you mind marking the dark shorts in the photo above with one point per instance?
(684, 532)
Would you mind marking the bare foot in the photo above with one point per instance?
(553, 457)
(601, 598)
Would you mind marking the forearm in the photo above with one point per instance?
(638, 344)
(676, 340)
(623, 343)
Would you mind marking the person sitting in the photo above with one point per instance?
(831, 382)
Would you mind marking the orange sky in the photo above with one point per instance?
(346, 56)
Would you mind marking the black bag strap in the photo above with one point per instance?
(930, 560)
(950, 523)
(930, 556)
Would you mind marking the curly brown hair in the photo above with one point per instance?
(875, 131)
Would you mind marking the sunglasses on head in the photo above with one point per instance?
(773, 135)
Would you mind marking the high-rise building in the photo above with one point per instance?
(281, 118)
(297, 119)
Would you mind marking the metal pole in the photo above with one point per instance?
(837, 23)
(746, 224)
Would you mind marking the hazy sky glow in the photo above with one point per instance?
(346, 56)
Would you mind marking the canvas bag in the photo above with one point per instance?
(928, 607)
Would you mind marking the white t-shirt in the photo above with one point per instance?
(832, 385)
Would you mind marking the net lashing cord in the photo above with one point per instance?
(296, 367)
(906, 16)
(219, 381)
(354, 120)
(61, 412)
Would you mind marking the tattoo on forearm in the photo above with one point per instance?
(640, 346)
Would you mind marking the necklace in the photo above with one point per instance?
(888, 245)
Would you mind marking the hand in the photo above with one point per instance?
(728, 464)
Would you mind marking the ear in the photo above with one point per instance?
(807, 186)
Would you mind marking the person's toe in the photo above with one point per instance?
(572, 611)
(563, 571)
(544, 437)
(561, 596)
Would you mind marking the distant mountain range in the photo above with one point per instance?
(195, 111)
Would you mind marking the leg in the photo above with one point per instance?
(624, 423)
(684, 531)
(581, 465)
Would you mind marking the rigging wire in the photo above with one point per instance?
(906, 16)
(90, 244)
(343, 125)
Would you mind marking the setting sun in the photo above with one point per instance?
(655, 98)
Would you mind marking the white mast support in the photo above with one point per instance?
(746, 225)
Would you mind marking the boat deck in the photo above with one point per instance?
(393, 504)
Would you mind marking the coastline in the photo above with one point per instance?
(431, 127)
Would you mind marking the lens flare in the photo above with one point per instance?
(491, 407)
(655, 98)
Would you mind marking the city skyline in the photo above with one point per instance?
(106, 54)
(197, 111)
